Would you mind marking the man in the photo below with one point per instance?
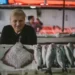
(31, 21)
(17, 30)
(39, 25)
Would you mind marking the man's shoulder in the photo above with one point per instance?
(7, 26)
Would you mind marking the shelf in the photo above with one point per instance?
(13, 6)
(37, 6)
(56, 40)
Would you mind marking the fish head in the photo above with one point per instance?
(70, 46)
(53, 46)
(37, 47)
(46, 46)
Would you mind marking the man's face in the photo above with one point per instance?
(32, 20)
(17, 23)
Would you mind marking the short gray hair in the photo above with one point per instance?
(18, 12)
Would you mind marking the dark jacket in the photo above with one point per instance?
(27, 35)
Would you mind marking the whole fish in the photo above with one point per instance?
(44, 52)
(74, 56)
(50, 56)
(74, 53)
(60, 56)
(38, 55)
(69, 54)
(71, 49)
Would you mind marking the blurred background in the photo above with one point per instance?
(57, 16)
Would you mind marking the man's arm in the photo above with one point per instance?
(4, 38)
(32, 37)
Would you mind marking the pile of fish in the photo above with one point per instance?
(54, 55)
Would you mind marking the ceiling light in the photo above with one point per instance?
(32, 7)
(42, 4)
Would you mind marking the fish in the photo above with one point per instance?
(38, 55)
(50, 56)
(69, 54)
(60, 56)
(74, 53)
(17, 57)
(71, 46)
(44, 52)
(74, 56)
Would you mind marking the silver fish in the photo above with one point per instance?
(60, 56)
(44, 52)
(69, 55)
(74, 53)
(38, 55)
(74, 56)
(50, 56)
(71, 47)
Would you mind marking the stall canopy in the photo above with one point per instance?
(59, 3)
(27, 2)
(49, 3)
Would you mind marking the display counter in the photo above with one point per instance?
(56, 39)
